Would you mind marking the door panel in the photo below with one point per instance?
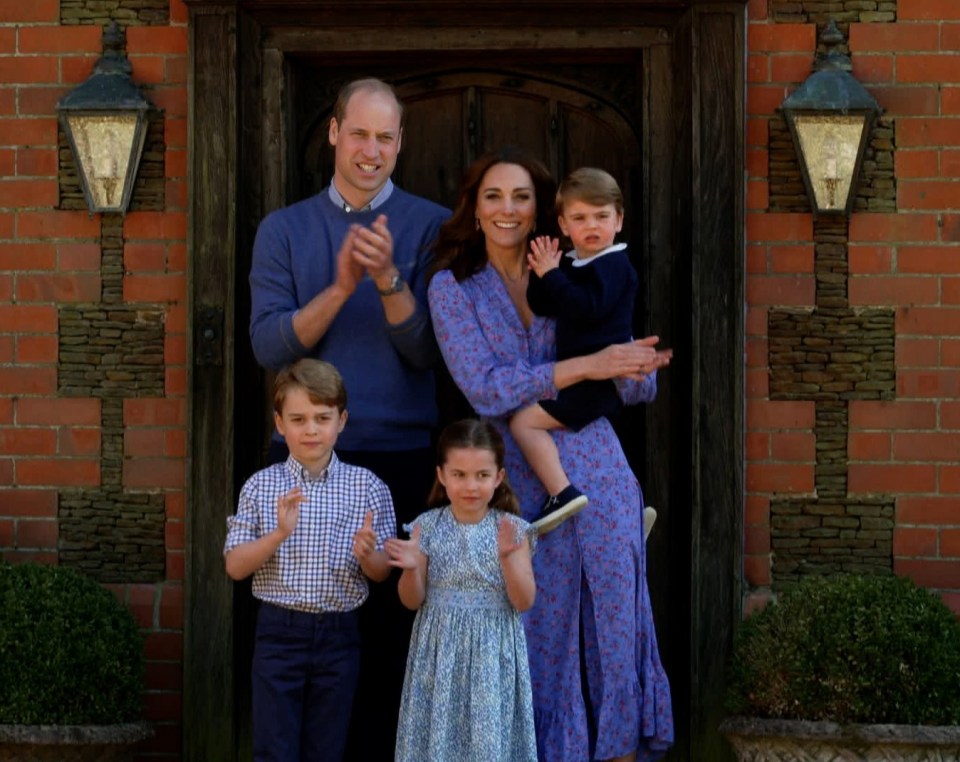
(434, 153)
(515, 118)
(454, 115)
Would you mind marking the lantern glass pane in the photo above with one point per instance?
(830, 144)
(104, 143)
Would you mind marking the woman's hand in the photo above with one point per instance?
(635, 359)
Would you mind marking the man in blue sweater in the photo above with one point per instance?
(342, 276)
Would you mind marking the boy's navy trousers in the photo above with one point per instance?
(305, 669)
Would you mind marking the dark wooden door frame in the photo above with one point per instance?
(693, 220)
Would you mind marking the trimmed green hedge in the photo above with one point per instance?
(70, 652)
(851, 649)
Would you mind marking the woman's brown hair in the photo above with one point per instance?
(460, 246)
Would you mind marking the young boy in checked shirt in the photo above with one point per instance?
(311, 532)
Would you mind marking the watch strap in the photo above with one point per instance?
(396, 286)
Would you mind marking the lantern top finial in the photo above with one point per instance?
(831, 86)
(114, 60)
(833, 59)
(109, 86)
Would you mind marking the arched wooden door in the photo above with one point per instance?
(452, 117)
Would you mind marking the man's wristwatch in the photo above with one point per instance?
(396, 286)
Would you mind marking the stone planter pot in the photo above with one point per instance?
(763, 740)
(71, 743)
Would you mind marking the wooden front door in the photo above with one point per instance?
(650, 90)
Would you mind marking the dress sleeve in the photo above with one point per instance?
(483, 357)
(426, 521)
(634, 392)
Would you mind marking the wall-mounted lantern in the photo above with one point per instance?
(830, 116)
(105, 121)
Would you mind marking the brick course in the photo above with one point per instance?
(877, 496)
(852, 336)
(77, 341)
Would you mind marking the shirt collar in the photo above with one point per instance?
(376, 201)
(302, 475)
(581, 262)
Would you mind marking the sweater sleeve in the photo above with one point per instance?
(539, 298)
(413, 339)
(597, 291)
(273, 299)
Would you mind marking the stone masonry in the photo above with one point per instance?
(831, 354)
(113, 351)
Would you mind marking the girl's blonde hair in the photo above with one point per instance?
(470, 434)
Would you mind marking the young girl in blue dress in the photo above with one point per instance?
(467, 571)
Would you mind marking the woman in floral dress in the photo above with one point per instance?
(599, 689)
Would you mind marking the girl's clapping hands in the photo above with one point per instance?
(404, 554)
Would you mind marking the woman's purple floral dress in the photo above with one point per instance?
(592, 568)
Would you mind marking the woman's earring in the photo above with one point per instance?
(476, 221)
(534, 229)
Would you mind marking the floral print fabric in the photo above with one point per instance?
(591, 570)
(466, 693)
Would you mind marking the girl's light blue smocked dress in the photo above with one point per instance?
(466, 694)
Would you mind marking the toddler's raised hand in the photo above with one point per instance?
(365, 540)
(404, 554)
(288, 510)
(544, 254)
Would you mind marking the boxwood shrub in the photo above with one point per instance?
(851, 649)
(70, 652)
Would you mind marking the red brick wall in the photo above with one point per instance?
(49, 258)
(908, 261)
